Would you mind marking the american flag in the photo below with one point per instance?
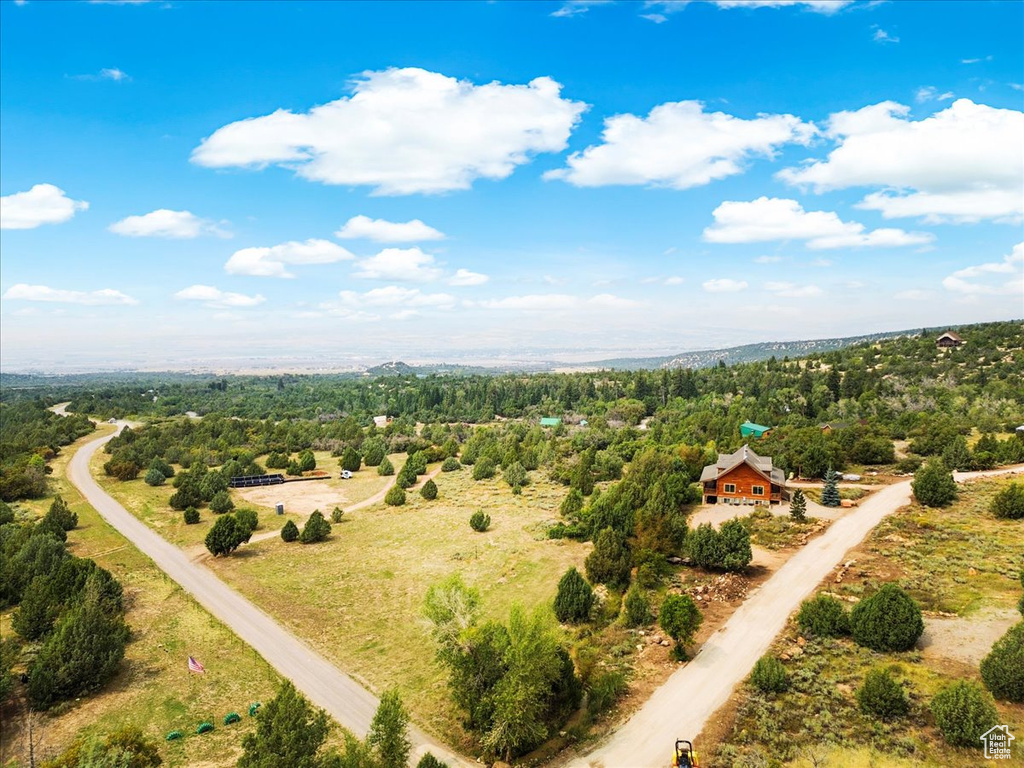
(195, 666)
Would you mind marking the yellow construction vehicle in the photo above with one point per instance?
(685, 757)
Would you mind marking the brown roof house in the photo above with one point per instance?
(949, 339)
(743, 477)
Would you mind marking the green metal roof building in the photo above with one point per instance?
(750, 429)
(550, 421)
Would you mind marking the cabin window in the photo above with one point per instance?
(758, 490)
(729, 488)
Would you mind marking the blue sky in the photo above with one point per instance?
(319, 184)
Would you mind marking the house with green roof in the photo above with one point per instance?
(750, 429)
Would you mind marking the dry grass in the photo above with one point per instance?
(356, 598)
(153, 689)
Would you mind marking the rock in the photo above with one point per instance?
(972, 572)
(797, 652)
(666, 643)
(500, 764)
(801, 641)
(639, 646)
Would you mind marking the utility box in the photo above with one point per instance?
(280, 509)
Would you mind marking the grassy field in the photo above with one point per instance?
(356, 597)
(959, 560)
(154, 689)
(150, 504)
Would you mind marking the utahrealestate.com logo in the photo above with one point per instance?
(997, 742)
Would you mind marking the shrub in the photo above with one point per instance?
(479, 522)
(483, 469)
(1003, 668)
(191, 515)
(336, 514)
(704, 546)
(155, 477)
(1009, 502)
(824, 616)
(307, 461)
(933, 485)
(225, 536)
(882, 696)
(515, 475)
(769, 675)
(610, 562)
(648, 576)
(122, 470)
(574, 599)
(294, 469)
(350, 459)
(316, 528)
(680, 618)
(221, 503)
(290, 531)
(963, 713)
(429, 490)
(726, 549)
(277, 461)
(572, 504)
(889, 620)
(385, 467)
(451, 464)
(395, 497)
(429, 761)
(406, 478)
(247, 520)
(605, 690)
(637, 608)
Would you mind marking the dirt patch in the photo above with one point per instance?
(968, 640)
(298, 498)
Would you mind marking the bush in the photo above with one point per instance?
(963, 713)
(483, 469)
(336, 514)
(574, 599)
(572, 504)
(610, 562)
(350, 459)
(479, 522)
(889, 620)
(769, 675)
(680, 618)
(605, 690)
(451, 464)
(1009, 502)
(933, 485)
(395, 497)
(307, 461)
(316, 528)
(406, 478)
(191, 516)
(221, 503)
(824, 616)
(429, 490)
(429, 761)
(882, 696)
(637, 608)
(225, 536)
(515, 475)
(155, 477)
(726, 549)
(1003, 668)
(290, 531)
(385, 468)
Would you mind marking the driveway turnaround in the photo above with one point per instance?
(321, 682)
(682, 706)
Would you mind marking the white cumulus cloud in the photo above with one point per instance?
(215, 297)
(383, 231)
(772, 218)
(26, 292)
(272, 261)
(998, 278)
(42, 204)
(466, 277)
(679, 145)
(182, 225)
(963, 164)
(404, 131)
(724, 285)
(404, 264)
(820, 6)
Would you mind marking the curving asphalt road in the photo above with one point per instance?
(322, 683)
(683, 705)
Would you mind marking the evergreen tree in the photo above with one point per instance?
(889, 620)
(574, 598)
(1003, 669)
(191, 515)
(289, 731)
(351, 460)
(307, 461)
(735, 543)
(479, 521)
(882, 696)
(933, 485)
(798, 506)
(388, 735)
(374, 452)
(963, 713)
(429, 490)
(1008, 504)
(385, 467)
(957, 455)
(225, 536)
(830, 493)
(316, 528)
(610, 561)
(290, 531)
(221, 503)
(637, 608)
(62, 514)
(155, 477)
(572, 505)
(395, 497)
(451, 464)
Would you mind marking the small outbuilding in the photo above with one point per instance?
(550, 421)
(750, 429)
(949, 339)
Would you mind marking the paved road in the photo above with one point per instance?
(322, 683)
(682, 706)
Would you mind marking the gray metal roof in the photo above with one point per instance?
(729, 461)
